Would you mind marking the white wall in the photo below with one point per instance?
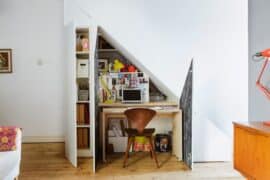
(221, 79)
(32, 96)
(259, 39)
(142, 30)
(165, 35)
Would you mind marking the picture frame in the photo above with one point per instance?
(5, 60)
(103, 65)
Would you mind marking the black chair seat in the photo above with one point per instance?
(134, 132)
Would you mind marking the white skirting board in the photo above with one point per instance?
(42, 139)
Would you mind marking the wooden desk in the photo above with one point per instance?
(252, 150)
(148, 104)
(164, 110)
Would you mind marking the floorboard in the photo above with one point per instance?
(47, 161)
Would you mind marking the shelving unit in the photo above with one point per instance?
(85, 76)
(83, 122)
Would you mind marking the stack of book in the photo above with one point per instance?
(83, 138)
(82, 114)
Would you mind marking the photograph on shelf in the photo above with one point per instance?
(85, 43)
(5, 60)
(103, 65)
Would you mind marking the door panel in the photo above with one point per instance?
(97, 114)
(186, 106)
(70, 104)
(93, 92)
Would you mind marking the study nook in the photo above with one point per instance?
(121, 111)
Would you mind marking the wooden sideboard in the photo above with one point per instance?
(252, 150)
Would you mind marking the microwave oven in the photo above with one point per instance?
(132, 95)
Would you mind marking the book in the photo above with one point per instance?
(79, 138)
(86, 114)
(83, 114)
(85, 138)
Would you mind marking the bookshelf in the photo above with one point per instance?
(83, 123)
(80, 45)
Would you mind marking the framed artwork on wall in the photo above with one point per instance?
(5, 60)
(103, 65)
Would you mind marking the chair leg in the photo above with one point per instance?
(151, 154)
(153, 151)
(127, 151)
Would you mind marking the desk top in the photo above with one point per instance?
(257, 127)
(159, 110)
(149, 104)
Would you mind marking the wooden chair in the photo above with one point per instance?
(138, 119)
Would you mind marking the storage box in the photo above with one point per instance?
(83, 95)
(82, 68)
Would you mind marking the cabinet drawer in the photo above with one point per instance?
(244, 150)
(251, 153)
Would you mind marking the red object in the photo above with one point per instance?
(267, 123)
(265, 53)
(131, 68)
(124, 69)
(258, 82)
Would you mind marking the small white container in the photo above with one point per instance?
(82, 68)
(83, 95)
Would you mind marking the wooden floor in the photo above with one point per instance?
(46, 161)
(141, 163)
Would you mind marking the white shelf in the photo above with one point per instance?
(79, 78)
(83, 125)
(81, 102)
(107, 50)
(82, 52)
(84, 153)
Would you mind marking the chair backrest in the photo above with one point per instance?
(139, 117)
